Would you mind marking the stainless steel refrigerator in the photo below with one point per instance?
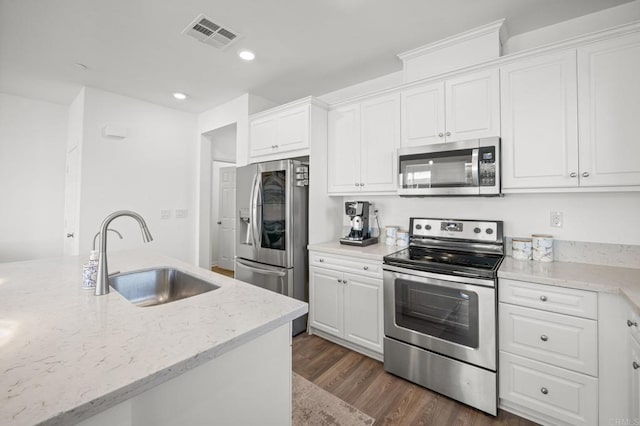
(272, 219)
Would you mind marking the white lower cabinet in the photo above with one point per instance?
(548, 341)
(634, 383)
(347, 305)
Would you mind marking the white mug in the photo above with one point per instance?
(521, 248)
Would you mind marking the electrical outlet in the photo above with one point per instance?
(165, 214)
(555, 219)
(181, 213)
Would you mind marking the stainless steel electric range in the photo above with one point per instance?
(440, 309)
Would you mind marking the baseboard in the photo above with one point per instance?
(354, 347)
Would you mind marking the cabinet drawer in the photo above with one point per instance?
(562, 300)
(560, 340)
(365, 267)
(560, 394)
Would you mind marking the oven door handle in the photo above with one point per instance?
(441, 277)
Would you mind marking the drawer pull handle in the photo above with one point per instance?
(631, 323)
(544, 338)
(544, 391)
(321, 260)
(543, 298)
(366, 268)
(635, 365)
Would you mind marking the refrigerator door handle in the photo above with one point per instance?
(271, 272)
(254, 209)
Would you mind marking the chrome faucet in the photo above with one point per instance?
(95, 237)
(102, 280)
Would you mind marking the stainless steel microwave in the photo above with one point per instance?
(470, 167)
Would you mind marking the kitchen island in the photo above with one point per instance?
(67, 355)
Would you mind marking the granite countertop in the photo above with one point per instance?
(373, 252)
(66, 354)
(584, 276)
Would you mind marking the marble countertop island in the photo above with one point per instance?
(66, 355)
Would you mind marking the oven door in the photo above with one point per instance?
(449, 315)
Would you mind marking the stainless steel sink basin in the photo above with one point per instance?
(158, 286)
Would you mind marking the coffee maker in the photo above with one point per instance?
(359, 235)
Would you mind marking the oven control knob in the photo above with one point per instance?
(418, 226)
(477, 230)
(427, 227)
(489, 231)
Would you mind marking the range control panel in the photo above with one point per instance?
(460, 229)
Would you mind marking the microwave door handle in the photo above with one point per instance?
(474, 167)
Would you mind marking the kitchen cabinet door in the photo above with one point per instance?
(472, 106)
(423, 115)
(344, 149)
(262, 136)
(293, 129)
(380, 138)
(326, 296)
(634, 378)
(609, 111)
(363, 311)
(540, 122)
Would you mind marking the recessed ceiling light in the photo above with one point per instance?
(247, 55)
(180, 96)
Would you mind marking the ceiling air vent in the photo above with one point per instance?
(205, 30)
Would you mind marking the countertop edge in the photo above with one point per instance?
(96, 406)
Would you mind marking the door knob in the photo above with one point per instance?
(543, 298)
(69, 234)
(544, 391)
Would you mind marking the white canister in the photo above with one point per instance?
(391, 231)
(521, 248)
(390, 241)
(402, 238)
(542, 247)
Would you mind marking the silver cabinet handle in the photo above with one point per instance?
(631, 323)
(339, 280)
(277, 146)
(585, 174)
(573, 174)
(321, 260)
(357, 184)
(635, 365)
(69, 234)
(440, 134)
(448, 133)
(544, 391)
(366, 268)
(344, 281)
(361, 184)
(219, 222)
(543, 298)
(544, 338)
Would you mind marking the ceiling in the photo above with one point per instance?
(303, 47)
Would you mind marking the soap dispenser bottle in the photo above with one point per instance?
(90, 271)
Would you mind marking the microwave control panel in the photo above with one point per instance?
(487, 166)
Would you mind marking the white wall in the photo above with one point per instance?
(593, 217)
(152, 169)
(33, 140)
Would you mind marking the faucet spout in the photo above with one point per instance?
(102, 280)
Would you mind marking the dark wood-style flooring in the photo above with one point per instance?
(363, 383)
(227, 272)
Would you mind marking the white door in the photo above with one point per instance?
(71, 195)
(423, 115)
(344, 149)
(609, 111)
(326, 294)
(363, 313)
(540, 122)
(380, 138)
(226, 217)
(472, 104)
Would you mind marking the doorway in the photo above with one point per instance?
(223, 206)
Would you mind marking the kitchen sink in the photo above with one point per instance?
(158, 286)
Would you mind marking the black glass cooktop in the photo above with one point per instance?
(446, 261)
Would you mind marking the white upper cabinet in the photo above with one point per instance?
(363, 139)
(540, 122)
(285, 131)
(466, 107)
(609, 112)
